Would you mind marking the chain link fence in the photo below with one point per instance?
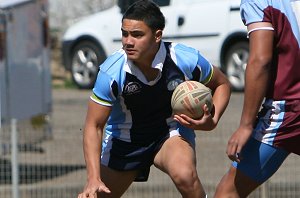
(51, 163)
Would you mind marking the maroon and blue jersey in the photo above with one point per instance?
(284, 15)
(277, 128)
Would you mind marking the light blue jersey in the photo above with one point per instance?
(141, 110)
(141, 117)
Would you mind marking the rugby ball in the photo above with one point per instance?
(189, 97)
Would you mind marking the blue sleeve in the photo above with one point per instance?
(190, 61)
(252, 11)
(103, 89)
(109, 80)
(185, 58)
(206, 69)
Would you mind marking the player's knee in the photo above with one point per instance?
(226, 187)
(186, 179)
(223, 189)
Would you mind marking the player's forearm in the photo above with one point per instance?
(221, 93)
(257, 78)
(92, 150)
(221, 99)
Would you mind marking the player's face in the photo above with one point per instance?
(139, 41)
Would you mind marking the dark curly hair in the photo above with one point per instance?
(147, 11)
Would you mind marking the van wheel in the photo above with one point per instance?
(235, 64)
(85, 61)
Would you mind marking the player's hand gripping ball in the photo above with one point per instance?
(189, 97)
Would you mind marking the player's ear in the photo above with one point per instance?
(158, 35)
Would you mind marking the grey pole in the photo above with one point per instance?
(14, 159)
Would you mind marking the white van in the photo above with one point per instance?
(213, 27)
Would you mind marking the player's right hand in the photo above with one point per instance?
(92, 187)
(237, 142)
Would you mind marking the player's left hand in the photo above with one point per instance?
(205, 123)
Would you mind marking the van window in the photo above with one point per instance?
(162, 2)
(124, 4)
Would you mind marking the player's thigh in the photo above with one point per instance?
(174, 154)
(117, 181)
(260, 161)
